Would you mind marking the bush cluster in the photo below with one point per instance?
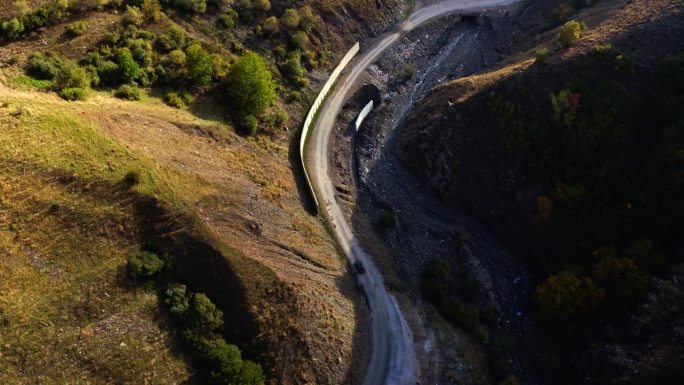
(176, 100)
(128, 92)
(77, 28)
(200, 322)
(42, 16)
(69, 80)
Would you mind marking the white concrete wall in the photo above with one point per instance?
(316, 105)
(363, 115)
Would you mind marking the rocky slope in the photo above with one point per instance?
(557, 183)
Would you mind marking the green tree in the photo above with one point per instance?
(199, 64)
(178, 300)
(129, 70)
(250, 86)
(569, 33)
(203, 314)
(565, 301)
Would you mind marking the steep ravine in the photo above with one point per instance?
(423, 228)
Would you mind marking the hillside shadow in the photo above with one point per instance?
(197, 264)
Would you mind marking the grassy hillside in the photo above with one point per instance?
(573, 158)
(87, 184)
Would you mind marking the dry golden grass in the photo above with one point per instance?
(66, 315)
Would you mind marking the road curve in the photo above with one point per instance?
(392, 360)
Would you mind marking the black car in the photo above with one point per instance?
(359, 267)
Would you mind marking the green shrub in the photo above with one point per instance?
(280, 51)
(569, 33)
(77, 28)
(300, 40)
(70, 75)
(248, 125)
(133, 16)
(192, 6)
(203, 314)
(108, 72)
(199, 65)
(73, 94)
(177, 299)
(541, 56)
(177, 100)
(229, 20)
(174, 100)
(250, 86)
(128, 92)
(294, 97)
(92, 58)
(262, 5)
(292, 67)
(176, 59)
(290, 19)
(145, 265)
(281, 118)
(407, 72)
(270, 25)
(173, 38)
(43, 66)
(308, 19)
(12, 28)
(42, 16)
(151, 9)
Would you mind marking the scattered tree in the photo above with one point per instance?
(250, 86)
(199, 64)
(565, 301)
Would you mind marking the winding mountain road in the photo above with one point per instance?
(392, 360)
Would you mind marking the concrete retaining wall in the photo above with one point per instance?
(314, 109)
